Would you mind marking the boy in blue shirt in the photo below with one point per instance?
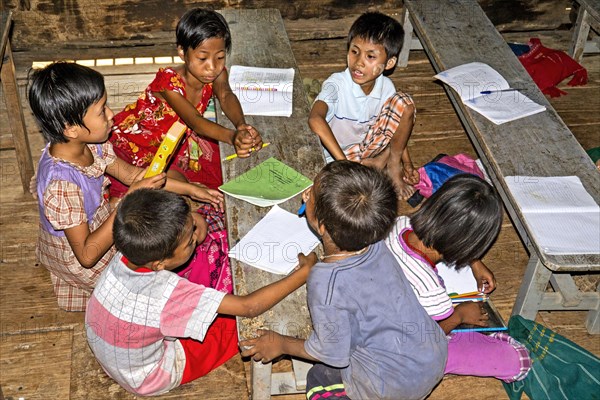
(371, 336)
(359, 115)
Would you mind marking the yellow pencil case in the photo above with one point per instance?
(167, 148)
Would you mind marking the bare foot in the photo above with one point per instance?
(404, 189)
(411, 175)
(379, 161)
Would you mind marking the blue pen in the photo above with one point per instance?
(301, 209)
(498, 91)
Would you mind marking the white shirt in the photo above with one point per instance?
(350, 112)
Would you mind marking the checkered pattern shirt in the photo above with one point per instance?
(63, 207)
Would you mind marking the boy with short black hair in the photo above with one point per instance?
(371, 336)
(359, 115)
(152, 330)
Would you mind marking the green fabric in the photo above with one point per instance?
(594, 154)
(560, 369)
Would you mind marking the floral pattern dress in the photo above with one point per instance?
(139, 129)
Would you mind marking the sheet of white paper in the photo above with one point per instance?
(263, 91)
(469, 80)
(566, 233)
(274, 242)
(551, 193)
(461, 281)
(562, 215)
(501, 107)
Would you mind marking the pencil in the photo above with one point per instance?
(231, 157)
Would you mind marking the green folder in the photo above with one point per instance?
(270, 182)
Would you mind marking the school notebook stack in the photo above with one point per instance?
(462, 286)
(274, 243)
(270, 182)
(484, 90)
(562, 216)
(263, 91)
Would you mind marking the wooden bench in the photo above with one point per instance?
(458, 32)
(18, 139)
(259, 39)
(587, 16)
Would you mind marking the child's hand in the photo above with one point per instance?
(486, 282)
(411, 175)
(246, 140)
(155, 182)
(267, 346)
(307, 262)
(201, 193)
(471, 312)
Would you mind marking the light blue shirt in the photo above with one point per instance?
(350, 112)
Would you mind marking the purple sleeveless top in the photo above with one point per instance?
(50, 169)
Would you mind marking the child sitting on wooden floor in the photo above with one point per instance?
(152, 330)
(371, 335)
(69, 102)
(457, 225)
(182, 93)
(359, 115)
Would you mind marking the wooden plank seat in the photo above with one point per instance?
(458, 32)
(260, 40)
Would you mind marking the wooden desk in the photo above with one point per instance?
(458, 32)
(588, 15)
(259, 39)
(19, 141)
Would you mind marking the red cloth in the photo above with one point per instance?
(218, 346)
(139, 129)
(549, 67)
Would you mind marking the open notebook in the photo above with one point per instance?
(263, 91)
(274, 242)
(562, 215)
(483, 89)
(462, 286)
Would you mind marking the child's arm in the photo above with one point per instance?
(269, 345)
(90, 247)
(243, 139)
(261, 300)
(318, 124)
(468, 312)
(232, 108)
(486, 282)
(129, 174)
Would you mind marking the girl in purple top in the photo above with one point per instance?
(69, 102)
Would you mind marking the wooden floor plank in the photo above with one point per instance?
(36, 366)
(89, 381)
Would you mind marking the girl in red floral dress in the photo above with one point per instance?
(183, 93)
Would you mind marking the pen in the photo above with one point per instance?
(497, 91)
(231, 157)
(301, 209)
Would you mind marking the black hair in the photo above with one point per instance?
(60, 95)
(198, 25)
(460, 220)
(356, 204)
(379, 29)
(149, 224)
